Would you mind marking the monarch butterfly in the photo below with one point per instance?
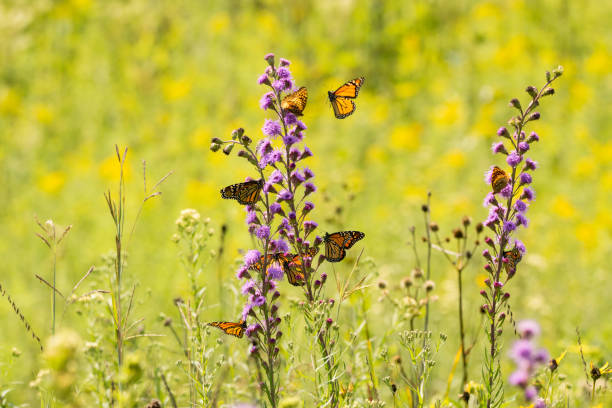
(293, 268)
(514, 257)
(295, 102)
(499, 179)
(341, 98)
(278, 258)
(233, 329)
(337, 243)
(245, 193)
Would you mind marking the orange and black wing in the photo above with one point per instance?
(293, 267)
(337, 243)
(341, 98)
(231, 328)
(514, 257)
(245, 193)
(499, 179)
(295, 102)
(350, 89)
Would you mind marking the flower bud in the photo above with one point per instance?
(514, 102)
(532, 91)
(228, 149)
(214, 147)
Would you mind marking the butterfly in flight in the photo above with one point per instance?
(233, 329)
(337, 243)
(514, 257)
(295, 102)
(341, 98)
(245, 193)
(499, 179)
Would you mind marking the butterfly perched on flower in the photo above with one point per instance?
(293, 267)
(341, 98)
(499, 179)
(245, 193)
(233, 329)
(337, 243)
(514, 256)
(295, 102)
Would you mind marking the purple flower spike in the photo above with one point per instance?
(309, 226)
(506, 192)
(509, 226)
(281, 245)
(271, 128)
(528, 194)
(308, 206)
(252, 257)
(540, 403)
(285, 195)
(276, 177)
(520, 246)
(523, 147)
(489, 200)
(246, 310)
(514, 159)
(503, 132)
(533, 137)
(530, 165)
(263, 232)
(522, 220)
(499, 148)
(290, 140)
(263, 80)
(259, 300)
(278, 85)
(519, 378)
(309, 188)
(246, 288)
(520, 206)
(522, 350)
(275, 272)
(525, 178)
(242, 272)
(308, 174)
(267, 101)
(530, 393)
(275, 208)
(306, 153)
(290, 119)
(528, 329)
(251, 217)
(283, 73)
(284, 63)
(269, 58)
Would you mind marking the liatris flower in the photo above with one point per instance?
(527, 358)
(514, 186)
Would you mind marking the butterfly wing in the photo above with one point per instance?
(293, 267)
(231, 328)
(343, 107)
(245, 193)
(499, 179)
(334, 247)
(351, 237)
(514, 257)
(295, 102)
(350, 89)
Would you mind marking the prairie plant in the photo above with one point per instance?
(52, 239)
(192, 236)
(20, 315)
(505, 216)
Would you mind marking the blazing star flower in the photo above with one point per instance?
(528, 329)
(308, 206)
(309, 226)
(275, 208)
(533, 137)
(284, 195)
(269, 57)
(284, 63)
(309, 188)
(264, 147)
(246, 310)
(489, 199)
(251, 217)
(525, 178)
(530, 393)
(275, 177)
(252, 329)
(263, 232)
(271, 128)
(522, 220)
(503, 132)
(509, 226)
(283, 73)
(290, 140)
(499, 148)
(519, 378)
(258, 300)
(522, 351)
(281, 245)
(530, 165)
(252, 257)
(306, 153)
(506, 192)
(267, 101)
(247, 287)
(275, 272)
(523, 147)
(520, 246)
(528, 194)
(514, 159)
(290, 119)
(242, 272)
(308, 174)
(297, 178)
(520, 206)
(540, 403)
(263, 79)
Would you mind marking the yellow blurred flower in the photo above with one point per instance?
(176, 89)
(603, 153)
(376, 154)
(109, 169)
(586, 232)
(52, 182)
(355, 181)
(202, 192)
(584, 168)
(580, 95)
(269, 23)
(512, 50)
(406, 137)
(599, 62)
(380, 113)
(405, 90)
(201, 137)
(480, 280)
(486, 11)
(218, 23)
(455, 158)
(448, 113)
(562, 207)
(484, 125)
(605, 181)
(43, 113)
(10, 102)
(413, 192)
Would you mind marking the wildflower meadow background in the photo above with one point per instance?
(142, 264)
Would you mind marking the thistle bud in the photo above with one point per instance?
(245, 140)
(534, 116)
(228, 149)
(214, 147)
(237, 133)
(514, 102)
(532, 91)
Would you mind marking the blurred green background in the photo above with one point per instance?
(163, 77)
